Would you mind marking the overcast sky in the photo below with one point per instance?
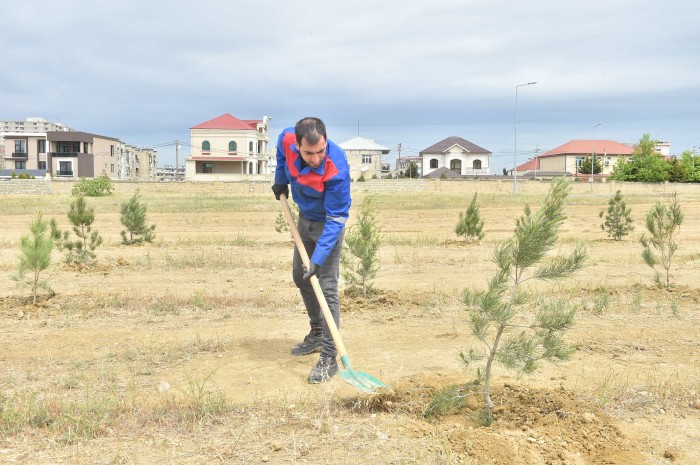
(402, 71)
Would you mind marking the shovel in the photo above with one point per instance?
(358, 379)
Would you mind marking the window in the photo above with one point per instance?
(20, 146)
(579, 161)
(41, 146)
(42, 165)
(112, 168)
(232, 146)
(68, 147)
(111, 150)
(476, 164)
(85, 147)
(366, 158)
(456, 165)
(65, 168)
(250, 147)
(207, 168)
(206, 146)
(20, 165)
(433, 163)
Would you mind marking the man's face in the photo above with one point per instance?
(312, 154)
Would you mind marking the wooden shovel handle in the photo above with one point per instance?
(314, 279)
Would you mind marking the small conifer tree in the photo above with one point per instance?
(663, 223)
(618, 221)
(80, 250)
(470, 225)
(134, 219)
(35, 256)
(495, 315)
(360, 257)
(281, 224)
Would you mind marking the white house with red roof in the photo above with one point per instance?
(568, 157)
(229, 149)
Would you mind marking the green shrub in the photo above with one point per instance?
(93, 187)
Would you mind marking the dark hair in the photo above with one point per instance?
(311, 129)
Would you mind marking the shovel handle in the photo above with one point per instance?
(314, 279)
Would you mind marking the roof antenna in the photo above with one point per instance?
(358, 127)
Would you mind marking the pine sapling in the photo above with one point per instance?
(35, 256)
(80, 250)
(618, 220)
(496, 315)
(360, 256)
(134, 219)
(663, 223)
(470, 225)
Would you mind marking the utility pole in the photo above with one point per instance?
(398, 160)
(177, 159)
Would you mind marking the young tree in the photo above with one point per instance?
(663, 223)
(35, 256)
(470, 225)
(645, 165)
(134, 219)
(618, 221)
(585, 167)
(82, 249)
(360, 259)
(411, 170)
(495, 315)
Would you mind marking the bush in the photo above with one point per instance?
(134, 219)
(93, 187)
(618, 221)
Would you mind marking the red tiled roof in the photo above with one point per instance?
(227, 121)
(529, 165)
(585, 146)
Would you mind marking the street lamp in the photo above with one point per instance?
(593, 155)
(515, 145)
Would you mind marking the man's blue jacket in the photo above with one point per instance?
(322, 194)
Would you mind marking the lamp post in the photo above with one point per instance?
(515, 137)
(593, 156)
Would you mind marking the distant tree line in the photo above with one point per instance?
(647, 165)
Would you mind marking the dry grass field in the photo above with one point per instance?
(177, 352)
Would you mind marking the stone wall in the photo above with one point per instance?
(25, 186)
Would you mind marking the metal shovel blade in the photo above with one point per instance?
(361, 380)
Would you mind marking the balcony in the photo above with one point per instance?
(64, 173)
(19, 156)
(64, 154)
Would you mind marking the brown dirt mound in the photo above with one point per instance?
(548, 426)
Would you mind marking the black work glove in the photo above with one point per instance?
(312, 270)
(280, 189)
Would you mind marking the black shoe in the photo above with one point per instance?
(325, 369)
(312, 343)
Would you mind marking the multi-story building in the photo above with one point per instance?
(229, 149)
(63, 152)
(31, 125)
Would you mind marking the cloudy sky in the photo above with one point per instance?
(396, 71)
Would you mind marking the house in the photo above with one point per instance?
(568, 157)
(458, 155)
(229, 149)
(402, 164)
(75, 154)
(364, 157)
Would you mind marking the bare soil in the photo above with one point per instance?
(209, 312)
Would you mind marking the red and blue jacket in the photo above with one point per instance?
(322, 194)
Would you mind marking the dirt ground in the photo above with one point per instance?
(177, 352)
